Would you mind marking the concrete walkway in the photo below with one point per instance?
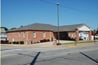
(50, 45)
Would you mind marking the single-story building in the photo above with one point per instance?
(37, 32)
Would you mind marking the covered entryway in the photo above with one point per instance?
(74, 32)
(83, 33)
(62, 36)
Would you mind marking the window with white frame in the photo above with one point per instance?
(34, 34)
(44, 34)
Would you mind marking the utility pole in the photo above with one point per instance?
(58, 22)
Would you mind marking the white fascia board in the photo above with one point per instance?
(84, 28)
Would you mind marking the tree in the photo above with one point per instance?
(4, 28)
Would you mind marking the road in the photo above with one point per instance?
(46, 56)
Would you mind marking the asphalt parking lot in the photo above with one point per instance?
(50, 56)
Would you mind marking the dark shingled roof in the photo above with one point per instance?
(71, 27)
(39, 26)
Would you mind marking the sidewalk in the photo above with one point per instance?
(50, 45)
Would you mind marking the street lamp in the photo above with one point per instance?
(58, 21)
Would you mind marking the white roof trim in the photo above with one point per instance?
(84, 28)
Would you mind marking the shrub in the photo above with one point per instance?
(15, 42)
(4, 42)
(44, 40)
(21, 42)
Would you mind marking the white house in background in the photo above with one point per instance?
(3, 34)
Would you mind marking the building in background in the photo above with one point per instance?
(3, 34)
(37, 32)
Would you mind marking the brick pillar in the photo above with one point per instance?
(50, 37)
(89, 35)
(77, 35)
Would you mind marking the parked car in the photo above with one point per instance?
(83, 36)
(96, 37)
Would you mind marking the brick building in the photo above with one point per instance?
(44, 32)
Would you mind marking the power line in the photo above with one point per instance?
(66, 7)
(45, 1)
(48, 2)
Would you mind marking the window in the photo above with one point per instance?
(44, 34)
(34, 34)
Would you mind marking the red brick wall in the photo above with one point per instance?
(90, 34)
(39, 36)
(72, 35)
(27, 36)
(17, 36)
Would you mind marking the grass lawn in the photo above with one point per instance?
(96, 41)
